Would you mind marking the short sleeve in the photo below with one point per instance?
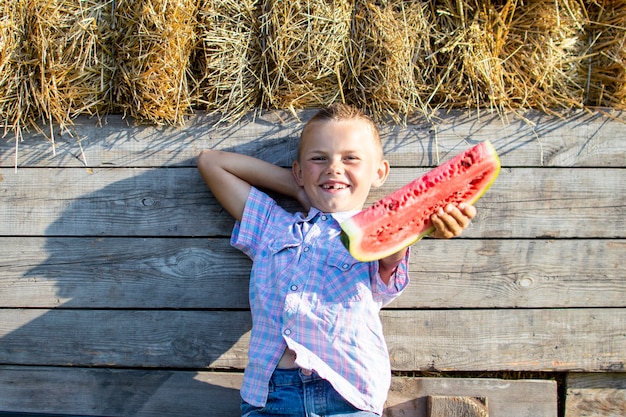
(399, 281)
(246, 233)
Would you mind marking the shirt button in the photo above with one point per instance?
(306, 249)
(287, 332)
(324, 217)
(294, 287)
(345, 266)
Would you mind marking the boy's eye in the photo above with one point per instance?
(318, 158)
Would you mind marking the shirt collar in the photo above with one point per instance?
(338, 216)
(313, 212)
(344, 215)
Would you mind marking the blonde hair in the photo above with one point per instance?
(341, 112)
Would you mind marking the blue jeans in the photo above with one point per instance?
(292, 393)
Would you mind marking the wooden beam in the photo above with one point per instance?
(596, 395)
(523, 203)
(122, 393)
(418, 340)
(200, 273)
(506, 398)
(536, 139)
(498, 339)
(457, 406)
(162, 393)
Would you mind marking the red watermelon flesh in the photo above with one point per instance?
(403, 217)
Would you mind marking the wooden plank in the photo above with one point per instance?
(419, 340)
(596, 395)
(110, 392)
(530, 203)
(519, 398)
(203, 273)
(457, 406)
(535, 139)
(161, 393)
(503, 273)
(127, 338)
(118, 202)
(495, 340)
(129, 273)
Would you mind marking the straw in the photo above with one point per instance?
(13, 67)
(543, 54)
(69, 42)
(52, 63)
(508, 54)
(152, 57)
(158, 60)
(304, 52)
(606, 70)
(389, 46)
(467, 36)
(227, 58)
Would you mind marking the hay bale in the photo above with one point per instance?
(468, 39)
(606, 70)
(14, 110)
(227, 58)
(69, 42)
(152, 56)
(55, 62)
(508, 54)
(304, 50)
(543, 54)
(482, 59)
(389, 47)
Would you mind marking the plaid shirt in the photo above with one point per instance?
(308, 293)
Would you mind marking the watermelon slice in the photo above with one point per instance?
(403, 217)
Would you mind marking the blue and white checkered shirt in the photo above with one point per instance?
(308, 293)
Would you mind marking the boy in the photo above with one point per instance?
(317, 346)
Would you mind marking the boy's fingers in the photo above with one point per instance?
(468, 210)
(444, 225)
(463, 214)
(440, 230)
(453, 220)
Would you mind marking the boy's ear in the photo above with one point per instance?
(381, 173)
(297, 173)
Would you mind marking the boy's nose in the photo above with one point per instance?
(335, 167)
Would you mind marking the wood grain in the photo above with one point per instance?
(505, 397)
(419, 340)
(120, 294)
(161, 393)
(457, 406)
(596, 395)
(534, 139)
(523, 203)
(201, 273)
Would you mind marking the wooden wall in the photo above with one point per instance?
(120, 295)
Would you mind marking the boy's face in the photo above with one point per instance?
(339, 162)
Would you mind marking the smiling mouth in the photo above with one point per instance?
(334, 186)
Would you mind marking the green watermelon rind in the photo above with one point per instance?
(352, 233)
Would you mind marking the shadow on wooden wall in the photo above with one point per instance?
(132, 294)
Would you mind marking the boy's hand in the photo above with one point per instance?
(452, 221)
(303, 199)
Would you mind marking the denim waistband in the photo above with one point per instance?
(292, 377)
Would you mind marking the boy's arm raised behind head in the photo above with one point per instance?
(229, 176)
